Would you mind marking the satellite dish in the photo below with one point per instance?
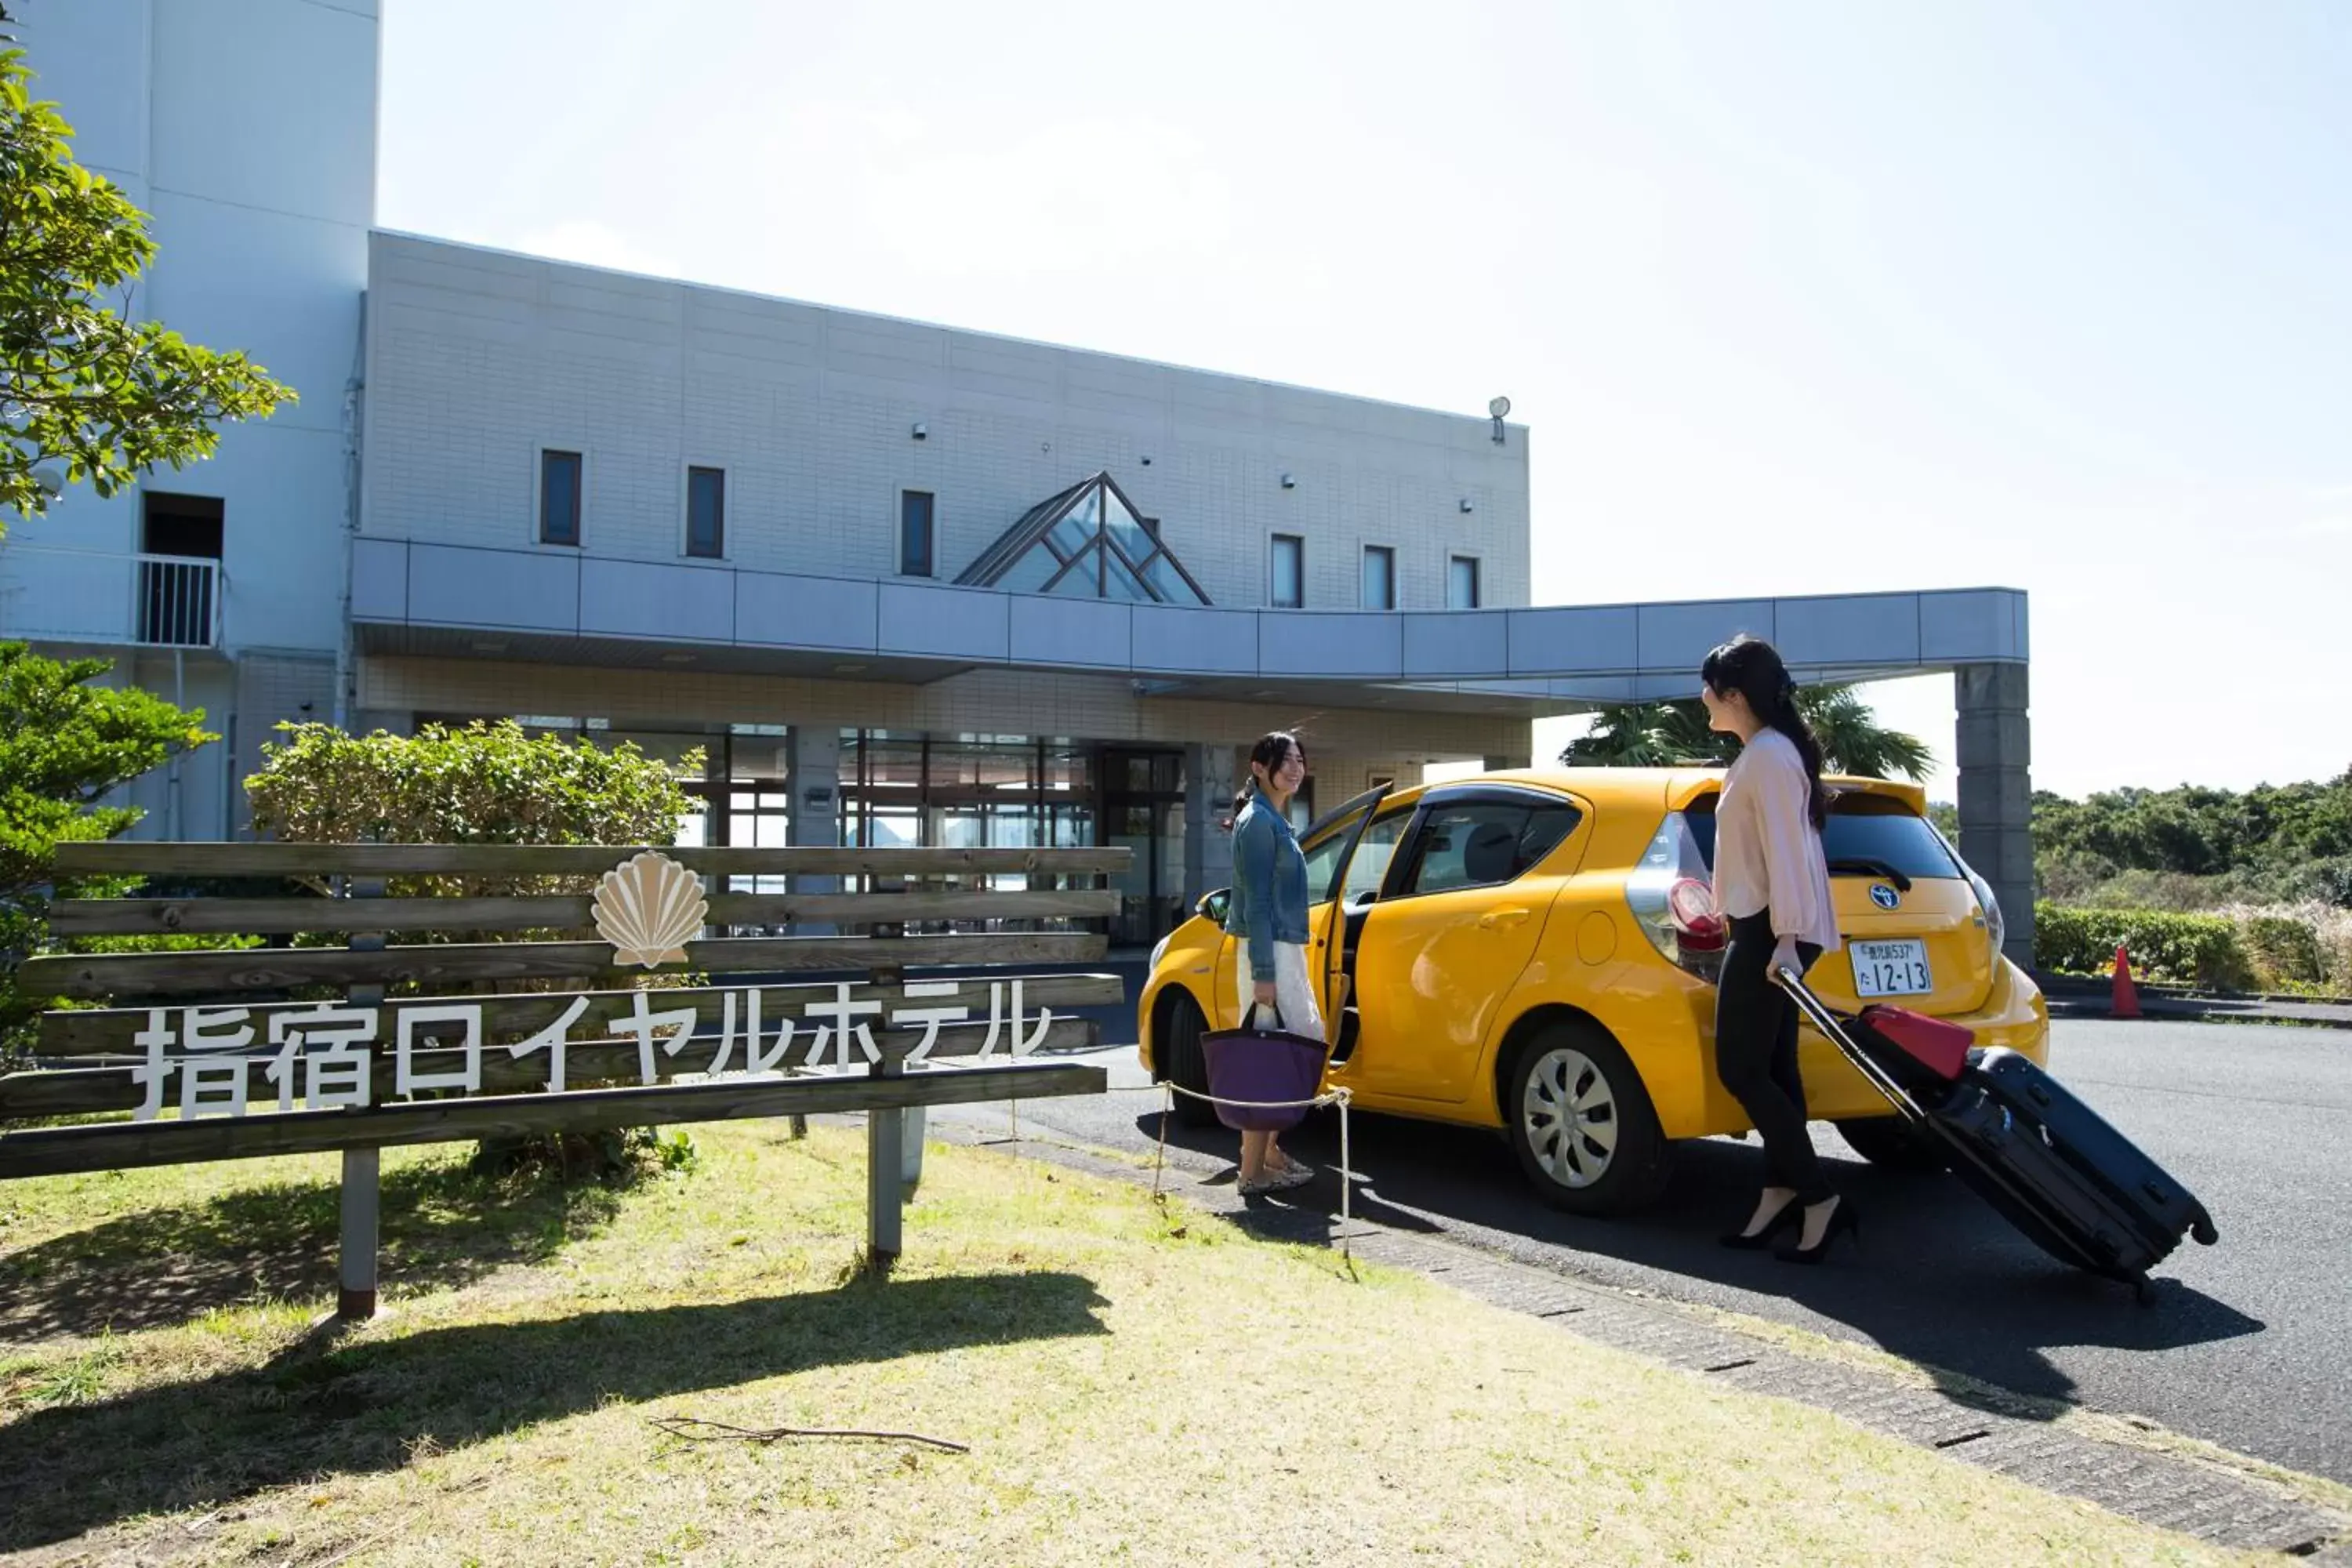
(1500, 407)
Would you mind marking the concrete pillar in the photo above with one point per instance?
(813, 758)
(1210, 777)
(1995, 752)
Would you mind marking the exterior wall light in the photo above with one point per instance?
(922, 432)
(1466, 506)
(1288, 482)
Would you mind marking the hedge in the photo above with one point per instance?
(2185, 950)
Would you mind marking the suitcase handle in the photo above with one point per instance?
(1827, 1022)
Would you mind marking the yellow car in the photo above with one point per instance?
(1510, 952)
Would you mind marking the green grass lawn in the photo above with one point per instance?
(1128, 1391)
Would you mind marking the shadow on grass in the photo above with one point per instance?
(442, 1226)
(364, 1405)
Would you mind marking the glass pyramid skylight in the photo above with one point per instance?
(1087, 543)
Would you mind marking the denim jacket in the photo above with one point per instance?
(1269, 901)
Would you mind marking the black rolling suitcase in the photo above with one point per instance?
(2080, 1190)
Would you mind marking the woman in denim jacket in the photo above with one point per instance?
(1268, 916)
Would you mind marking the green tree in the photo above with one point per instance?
(65, 745)
(81, 386)
(1660, 734)
(1854, 741)
(1645, 735)
(484, 783)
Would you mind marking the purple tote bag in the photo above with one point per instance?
(1255, 1063)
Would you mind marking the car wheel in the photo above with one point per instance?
(1896, 1145)
(1582, 1123)
(1188, 1064)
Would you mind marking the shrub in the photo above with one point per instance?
(2284, 951)
(2179, 949)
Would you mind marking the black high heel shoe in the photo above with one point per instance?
(1841, 1219)
(1740, 1241)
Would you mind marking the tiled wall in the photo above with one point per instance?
(478, 360)
(1347, 743)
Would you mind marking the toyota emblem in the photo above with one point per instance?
(1885, 897)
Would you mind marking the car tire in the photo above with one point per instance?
(1188, 1064)
(1895, 1145)
(1613, 1158)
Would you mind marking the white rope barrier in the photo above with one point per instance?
(1338, 1097)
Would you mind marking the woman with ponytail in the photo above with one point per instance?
(1772, 883)
(1267, 916)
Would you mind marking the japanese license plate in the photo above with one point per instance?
(1890, 968)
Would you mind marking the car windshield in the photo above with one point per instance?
(1871, 834)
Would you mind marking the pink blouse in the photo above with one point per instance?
(1768, 854)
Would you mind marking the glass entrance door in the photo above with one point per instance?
(1143, 812)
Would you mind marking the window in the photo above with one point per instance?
(180, 525)
(1370, 869)
(1379, 577)
(1289, 571)
(706, 512)
(1866, 836)
(914, 533)
(558, 498)
(1481, 844)
(175, 603)
(1462, 582)
(1086, 542)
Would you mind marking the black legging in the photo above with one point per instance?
(1756, 1055)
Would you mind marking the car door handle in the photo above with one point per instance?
(1498, 920)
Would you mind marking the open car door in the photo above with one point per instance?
(1331, 843)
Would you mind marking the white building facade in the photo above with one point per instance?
(898, 582)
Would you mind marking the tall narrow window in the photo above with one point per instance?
(706, 512)
(180, 538)
(1289, 571)
(914, 533)
(558, 498)
(1379, 577)
(1462, 582)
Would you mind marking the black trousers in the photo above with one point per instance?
(1756, 1055)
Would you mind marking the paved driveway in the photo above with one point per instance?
(2249, 1344)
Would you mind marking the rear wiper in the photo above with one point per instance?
(1863, 866)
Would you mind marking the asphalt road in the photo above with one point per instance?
(2249, 1344)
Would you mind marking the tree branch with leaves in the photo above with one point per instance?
(1666, 734)
(82, 386)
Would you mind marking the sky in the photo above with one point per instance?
(1794, 297)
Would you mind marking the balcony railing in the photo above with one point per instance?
(51, 594)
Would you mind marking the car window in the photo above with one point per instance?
(1473, 845)
(1876, 829)
(1370, 869)
(1323, 865)
(1547, 826)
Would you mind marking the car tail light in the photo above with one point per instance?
(1996, 926)
(1672, 897)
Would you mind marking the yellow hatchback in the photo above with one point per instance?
(1511, 951)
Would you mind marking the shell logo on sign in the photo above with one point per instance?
(650, 907)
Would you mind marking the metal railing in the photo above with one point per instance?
(51, 593)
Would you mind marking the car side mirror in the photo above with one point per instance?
(1212, 905)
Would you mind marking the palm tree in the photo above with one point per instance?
(1853, 740)
(1660, 734)
(1645, 735)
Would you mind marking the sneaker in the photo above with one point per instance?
(1296, 1176)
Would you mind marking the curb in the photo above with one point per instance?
(2229, 1508)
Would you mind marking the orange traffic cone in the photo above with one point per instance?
(2126, 997)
